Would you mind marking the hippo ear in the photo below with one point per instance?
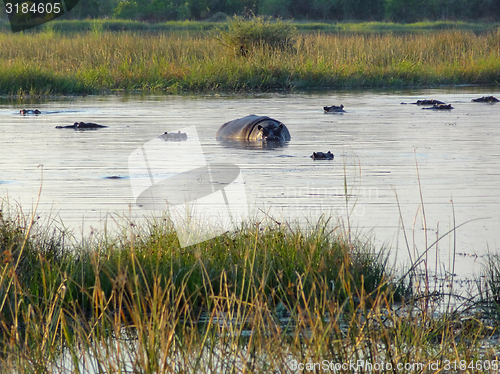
(281, 126)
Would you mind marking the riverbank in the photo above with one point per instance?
(268, 297)
(54, 63)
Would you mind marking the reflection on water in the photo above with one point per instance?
(252, 145)
(378, 145)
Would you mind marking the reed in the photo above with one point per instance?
(54, 63)
(258, 300)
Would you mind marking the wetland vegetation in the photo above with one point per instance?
(263, 299)
(266, 297)
(242, 56)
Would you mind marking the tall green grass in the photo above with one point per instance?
(259, 300)
(100, 61)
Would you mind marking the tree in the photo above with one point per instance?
(327, 9)
(198, 9)
(275, 8)
(405, 11)
(363, 9)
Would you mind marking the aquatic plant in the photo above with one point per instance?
(258, 300)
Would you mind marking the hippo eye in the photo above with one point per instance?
(260, 127)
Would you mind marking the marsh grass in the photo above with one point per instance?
(56, 63)
(489, 287)
(252, 301)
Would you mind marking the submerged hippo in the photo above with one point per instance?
(322, 156)
(334, 109)
(440, 107)
(486, 99)
(29, 111)
(254, 128)
(82, 126)
(176, 136)
(426, 102)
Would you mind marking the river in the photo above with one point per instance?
(378, 143)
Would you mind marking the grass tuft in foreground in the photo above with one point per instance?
(259, 300)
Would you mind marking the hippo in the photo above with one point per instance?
(322, 156)
(334, 109)
(254, 128)
(114, 177)
(175, 136)
(440, 107)
(29, 111)
(486, 99)
(426, 102)
(82, 126)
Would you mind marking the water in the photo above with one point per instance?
(378, 145)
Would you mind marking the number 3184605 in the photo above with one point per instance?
(33, 8)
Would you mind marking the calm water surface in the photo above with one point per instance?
(378, 144)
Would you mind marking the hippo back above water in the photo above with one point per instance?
(82, 126)
(253, 128)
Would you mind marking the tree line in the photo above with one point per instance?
(401, 11)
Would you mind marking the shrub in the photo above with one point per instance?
(259, 32)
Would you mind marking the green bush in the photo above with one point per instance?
(259, 32)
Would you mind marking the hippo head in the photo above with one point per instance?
(271, 133)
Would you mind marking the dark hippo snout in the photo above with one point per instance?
(272, 134)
